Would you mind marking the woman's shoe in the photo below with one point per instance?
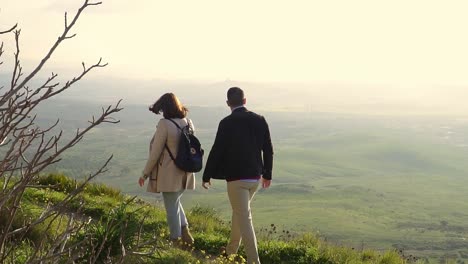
(187, 238)
(177, 243)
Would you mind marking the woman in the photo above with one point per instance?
(160, 169)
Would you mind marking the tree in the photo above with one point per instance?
(26, 148)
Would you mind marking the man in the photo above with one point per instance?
(236, 156)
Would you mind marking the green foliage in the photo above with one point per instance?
(116, 229)
(21, 253)
(61, 183)
(286, 252)
(206, 220)
(369, 256)
(309, 239)
(175, 256)
(29, 212)
(340, 255)
(103, 190)
(44, 196)
(155, 220)
(58, 182)
(97, 206)
(391, 257)
(210, 243)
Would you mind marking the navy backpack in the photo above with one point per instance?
(189, 153)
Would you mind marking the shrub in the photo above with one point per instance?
(175, 256)
(369, 256)
(108, 236)
(102, 189)
(207, 220)
(283, 252)
(21, 253)
(391, 257)
(210, 243)
(58, 182)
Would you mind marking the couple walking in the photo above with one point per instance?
(242, 154)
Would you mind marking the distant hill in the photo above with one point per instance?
(373, 99)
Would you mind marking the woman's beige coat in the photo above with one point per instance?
(163, 175)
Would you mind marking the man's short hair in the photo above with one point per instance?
(235, 96)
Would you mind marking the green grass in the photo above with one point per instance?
(118, 213)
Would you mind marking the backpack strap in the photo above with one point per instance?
(165, 145)
(170, 153)
(177, 125)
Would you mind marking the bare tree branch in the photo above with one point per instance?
(62, 37)
(9, 30)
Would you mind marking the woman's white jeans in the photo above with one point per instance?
(175, 213)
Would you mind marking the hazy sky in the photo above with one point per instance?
(398, 41)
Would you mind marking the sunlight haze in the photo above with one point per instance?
(345, 56)
(422, 42)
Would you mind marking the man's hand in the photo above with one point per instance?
(206, 185)
(141, 181)
(265, 183)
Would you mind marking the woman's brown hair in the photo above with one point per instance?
(170, 106)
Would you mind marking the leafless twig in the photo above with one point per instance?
(9, 30)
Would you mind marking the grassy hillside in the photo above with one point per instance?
(105, 208)
(374, 182)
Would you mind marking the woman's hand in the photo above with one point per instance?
(141, 181)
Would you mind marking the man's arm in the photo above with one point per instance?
(267, 149)
(215, 156)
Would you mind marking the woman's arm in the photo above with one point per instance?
(157, 147)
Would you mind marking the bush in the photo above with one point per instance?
(206, 220)
(175, 256)
(391, 257)
(369, 256)
(58, 182)
(103, 190)
(106, 238)
(283, 252)
(210, 243)
(21, 253)
(24, 216)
